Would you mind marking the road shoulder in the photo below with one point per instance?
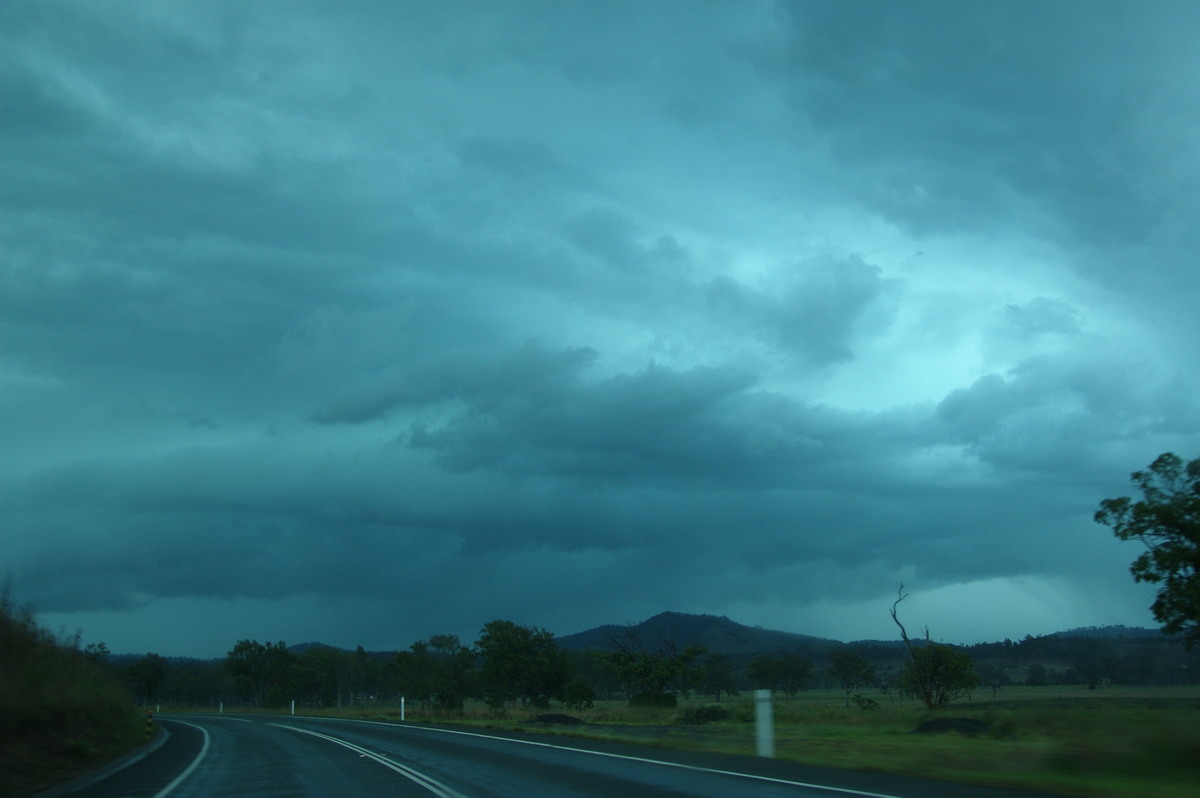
(108, 769)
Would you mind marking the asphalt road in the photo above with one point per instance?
(273, 756)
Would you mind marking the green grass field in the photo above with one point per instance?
(1108, 743)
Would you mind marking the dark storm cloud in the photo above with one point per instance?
(627, 427)
(432, 313)
(1054, 413)
(962, 112)
(252, 524)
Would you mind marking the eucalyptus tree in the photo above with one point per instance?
(655, 674)
(261, 671)
(438, 672)
(520, 663)
(1167, 521)
(935, 673)
(715, 675)
(146, 677)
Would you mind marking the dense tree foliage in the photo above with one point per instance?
(323, 677)
(521, 663)
(145, 677)
(715, 676)
(579, 693)
(1167, 520)
(591, 666)
(197, 683)
(439, 672)
(652, 675)
(261, 671)
(938, 674)
(785, 672)
(991, 676)
(935, 673)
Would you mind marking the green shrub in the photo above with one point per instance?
(578, 694)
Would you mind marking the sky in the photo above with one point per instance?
(360, 323)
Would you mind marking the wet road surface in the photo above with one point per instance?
(275, 756)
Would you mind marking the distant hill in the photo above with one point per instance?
(1110, 631)
(120, 661)
(300, 648)
(716, 633)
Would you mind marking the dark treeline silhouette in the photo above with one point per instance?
(514, 666)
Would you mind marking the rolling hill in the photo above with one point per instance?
(715, 632)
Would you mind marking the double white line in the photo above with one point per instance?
(429, 783)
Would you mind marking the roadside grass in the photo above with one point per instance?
(1108, 743)
(60, 713)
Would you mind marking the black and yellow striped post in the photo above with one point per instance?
(149, 724)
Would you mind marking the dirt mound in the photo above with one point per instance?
(961, 725)
(558, 719)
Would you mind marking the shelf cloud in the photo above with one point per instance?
(361, 324)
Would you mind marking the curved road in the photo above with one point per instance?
(272, 756)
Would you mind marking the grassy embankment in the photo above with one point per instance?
(1110, 743)
(60, 713)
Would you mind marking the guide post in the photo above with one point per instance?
(764, 720)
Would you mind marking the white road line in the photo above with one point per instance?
(696, 768)
(165, 791)
(429, 783)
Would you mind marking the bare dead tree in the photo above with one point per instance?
(924, 688)
(649, 671)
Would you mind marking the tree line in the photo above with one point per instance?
(510, 665)
(513, 665)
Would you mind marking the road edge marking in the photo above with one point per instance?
(165, 791)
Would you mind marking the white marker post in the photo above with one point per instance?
(764, 721)
(401, 709)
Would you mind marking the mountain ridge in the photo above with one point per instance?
(717, 633)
